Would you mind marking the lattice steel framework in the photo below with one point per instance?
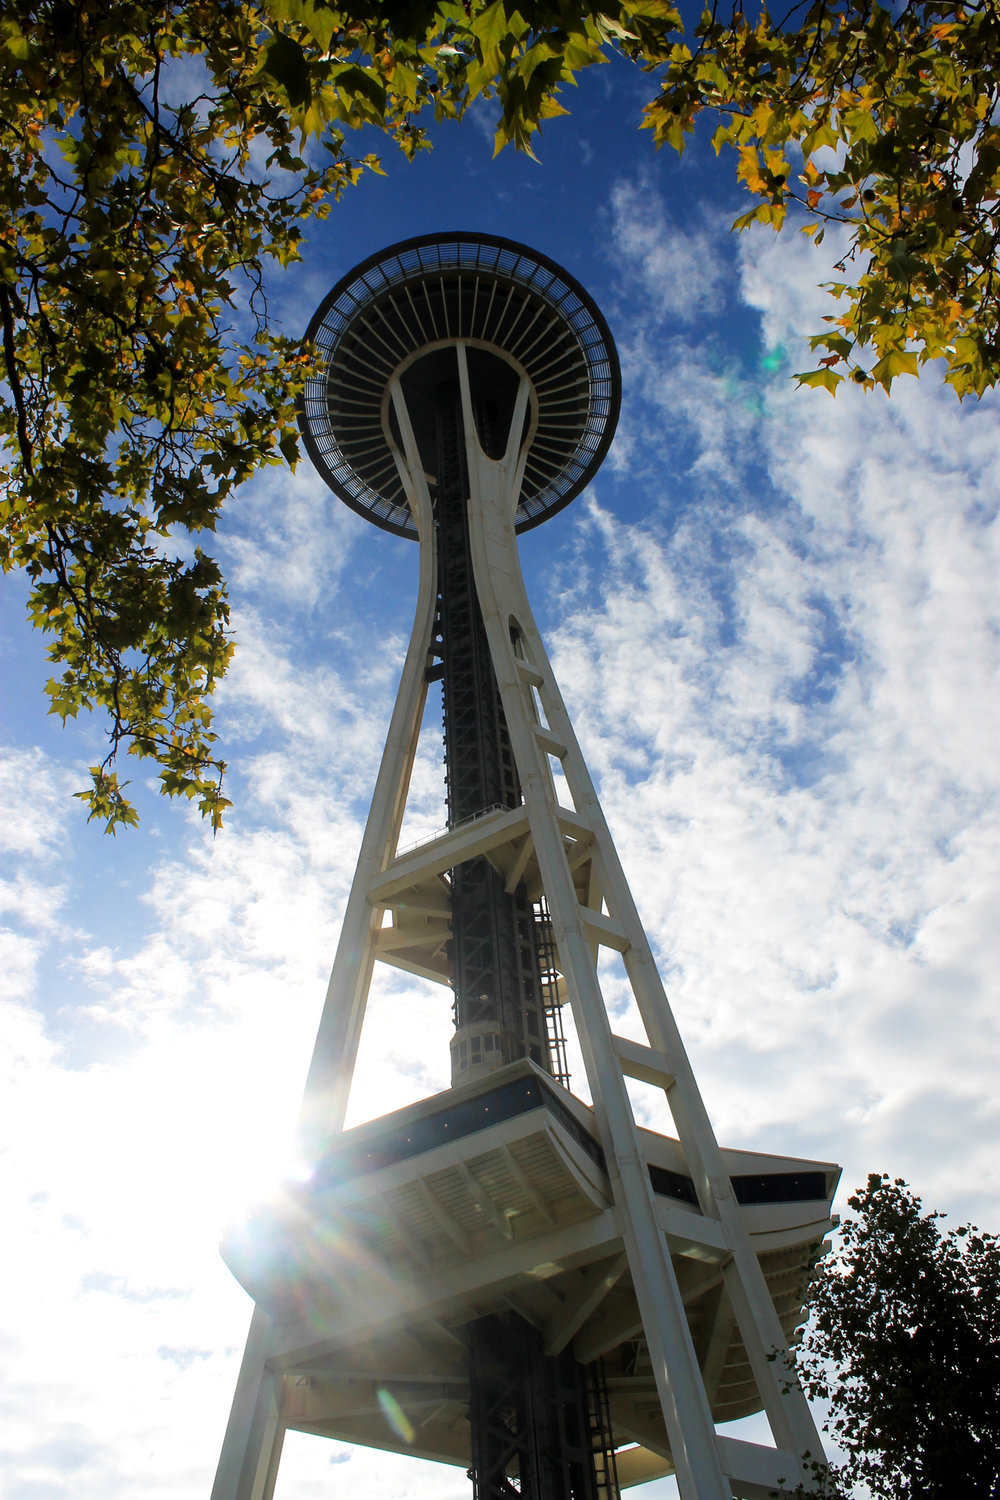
(499, 1007)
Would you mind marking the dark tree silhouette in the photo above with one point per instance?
(904, 1343)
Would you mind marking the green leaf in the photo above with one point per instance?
(289, 445)
(896, 362)
(828, 379)
(322, 21)
(285, 62)
(490, 27)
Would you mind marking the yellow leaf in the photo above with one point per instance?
(749, 170)
(762, 117)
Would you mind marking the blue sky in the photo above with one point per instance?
(774, 618)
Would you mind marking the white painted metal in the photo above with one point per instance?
(251, 1450)
(555, 840)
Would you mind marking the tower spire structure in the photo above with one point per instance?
(504, 1276)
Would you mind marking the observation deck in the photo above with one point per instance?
(491, 1196)
(517, 313)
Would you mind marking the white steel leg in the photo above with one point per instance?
(504, 602)
(252, 1446)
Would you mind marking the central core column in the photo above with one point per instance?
(533, 1417)
(499, 1006)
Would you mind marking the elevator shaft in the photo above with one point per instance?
(536, 1432)
(499, 1006)
(532, 1416)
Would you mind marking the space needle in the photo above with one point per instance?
(512, 1276)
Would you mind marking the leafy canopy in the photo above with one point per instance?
(883, 120)
(904, 1343)
(156, 157)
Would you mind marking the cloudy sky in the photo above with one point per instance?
(774, 619)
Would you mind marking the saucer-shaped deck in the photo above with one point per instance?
(496, 1195)
(510, 306)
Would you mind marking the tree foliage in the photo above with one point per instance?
(884, 121)
(904, 1343)
(155, 157)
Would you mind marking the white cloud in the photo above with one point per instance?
(290, 538)
(679, 270)
(802, 774)
(33, 805)
(690, 413)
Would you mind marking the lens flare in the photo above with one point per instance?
(395, 1415)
